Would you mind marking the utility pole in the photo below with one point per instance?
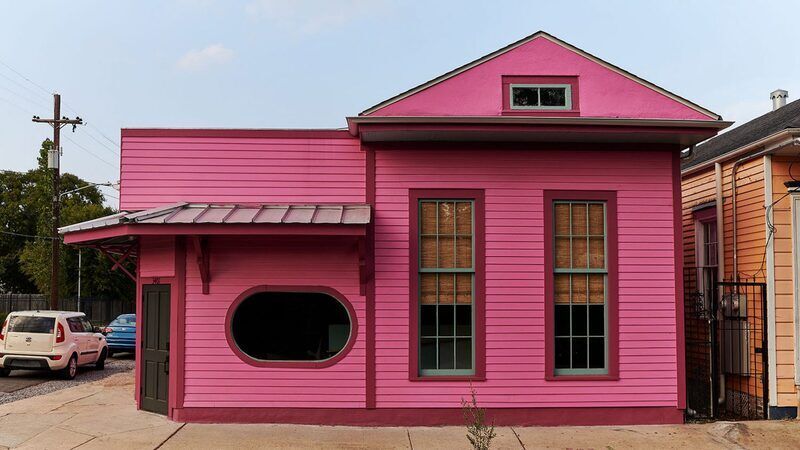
(54, 162)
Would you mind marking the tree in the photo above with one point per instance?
(26, 208)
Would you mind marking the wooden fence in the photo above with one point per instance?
(100, 311)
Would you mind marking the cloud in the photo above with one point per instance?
(213, 55)
(312, 16)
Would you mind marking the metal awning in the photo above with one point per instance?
(219, 219)
(207, 213)
(116, 235)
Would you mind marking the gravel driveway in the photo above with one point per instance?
(52, 383)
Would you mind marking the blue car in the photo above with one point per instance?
(121, 334)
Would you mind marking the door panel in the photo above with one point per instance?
(155, 347)
(79, 337)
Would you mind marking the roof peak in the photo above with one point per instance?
(537, 35)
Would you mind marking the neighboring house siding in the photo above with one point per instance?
(751, 234)
(784, 276)
(699, 188)
(216, 377)
(514, 181)
(161, 170)
(696, 189)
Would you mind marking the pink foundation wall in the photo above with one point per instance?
(513, 181)
(478, 91)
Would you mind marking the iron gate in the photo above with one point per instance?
(726, 348)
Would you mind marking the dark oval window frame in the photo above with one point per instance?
(338, 296)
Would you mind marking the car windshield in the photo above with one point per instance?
(31, 324)
(129, 320)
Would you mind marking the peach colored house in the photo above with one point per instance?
(740, 225)
(512, 225)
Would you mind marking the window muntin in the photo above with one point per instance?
(540, 96)
(446, 271)
(709, 244)
(580, 287)
(291, 326)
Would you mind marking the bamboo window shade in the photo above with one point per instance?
(446, 244)
(580, 245)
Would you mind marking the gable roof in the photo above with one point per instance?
(770, 123)
(525, 40)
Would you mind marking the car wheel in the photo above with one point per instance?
(4, 372)
(101, 361)
(69, 372)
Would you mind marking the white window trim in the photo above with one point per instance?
(567, 91)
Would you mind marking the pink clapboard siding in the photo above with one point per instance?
(157, 256)
(162, 169)
(514, 181)
(216, 377)
(603, 92)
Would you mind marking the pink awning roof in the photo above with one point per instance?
(222, 214)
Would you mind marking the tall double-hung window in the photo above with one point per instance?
(446, 272)
(581, 240)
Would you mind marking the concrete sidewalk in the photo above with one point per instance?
(101, 414)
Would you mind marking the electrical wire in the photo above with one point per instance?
(771, 229)
(11, 233)
(21, 108)
(26, 78)
(18, 84)
(103, 144)
(90, 152)
(27, 99)
(49, 93)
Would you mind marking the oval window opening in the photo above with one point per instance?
(290, 326)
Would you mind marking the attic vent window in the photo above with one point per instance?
(541, 96)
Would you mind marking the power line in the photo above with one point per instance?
(19, 84)
(27, 79)
(103, 134)
(104, 145)
(22, 108)
(37, 103)
(90, 152)
(10, 233)
(48, 93)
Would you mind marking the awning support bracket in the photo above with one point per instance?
(200, 245)
(118, 261)
(364, 274)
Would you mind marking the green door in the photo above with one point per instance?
(155, 347)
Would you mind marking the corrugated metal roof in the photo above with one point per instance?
(206, 213)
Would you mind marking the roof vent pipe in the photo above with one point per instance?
(778, 98)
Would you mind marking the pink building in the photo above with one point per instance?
(512, 225)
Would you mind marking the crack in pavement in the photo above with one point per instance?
(519, 439)
(72, 401)
(170, 436)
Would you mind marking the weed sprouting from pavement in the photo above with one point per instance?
(479, 434)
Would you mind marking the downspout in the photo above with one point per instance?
(720, 259)
(720, 222)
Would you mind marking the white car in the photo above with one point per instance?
(50, 340)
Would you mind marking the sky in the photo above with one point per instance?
(311, 63)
